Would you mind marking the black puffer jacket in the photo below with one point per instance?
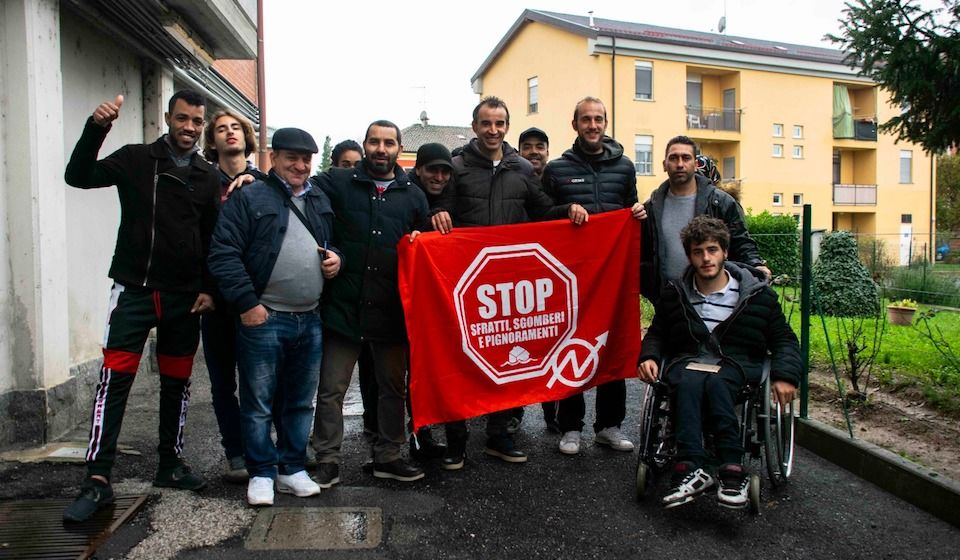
(710, 201)
(601, 184)
(757, 325)
(480, 195)
(363, 301)
(167, 213)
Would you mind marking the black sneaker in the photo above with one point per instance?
(428, 448)
(734, 483)
(503, 448)
(453, 459)
(688, 481)
(179, 477)
(94, 495)
(397, 470)
(327, 475)
(236, 472)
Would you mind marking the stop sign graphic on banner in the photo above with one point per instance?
(517, 308)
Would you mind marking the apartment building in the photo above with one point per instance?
(789, 124)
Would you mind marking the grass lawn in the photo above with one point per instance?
(906, 355)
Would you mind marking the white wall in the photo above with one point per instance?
(6, 330)
(94, 70)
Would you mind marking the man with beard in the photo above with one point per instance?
(716, 325)
(672, 205)
(535, 148)
(492, 185)
(169, 199)
(595, 174)
(376, 205)
(228, 141)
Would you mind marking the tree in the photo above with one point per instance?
(948, 193)
(904, 49)
(325, 156)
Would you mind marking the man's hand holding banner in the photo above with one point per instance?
(505, 316)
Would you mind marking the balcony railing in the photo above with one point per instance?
(863, 129)
(854, 195)
(713, 118)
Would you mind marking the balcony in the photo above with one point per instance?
(854, 195)
(863, 129)
(713, 118)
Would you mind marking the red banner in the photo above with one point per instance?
(500, 317)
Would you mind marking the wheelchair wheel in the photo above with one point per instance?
(643, 479)
(778, 434)
(753, 494)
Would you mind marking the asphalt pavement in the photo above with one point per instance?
(554, 506)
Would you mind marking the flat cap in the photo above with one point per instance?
(295, 140)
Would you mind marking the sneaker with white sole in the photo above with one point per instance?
(613, 438)
(260, 491)
(569, 443)
(299, 484)
(734, 483)
(688, 481)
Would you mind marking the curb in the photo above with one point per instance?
(922, 487)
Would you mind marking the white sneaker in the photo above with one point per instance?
(260, 491)
(570, 443)
(299, 484)
(614, 439)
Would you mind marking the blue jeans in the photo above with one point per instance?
(280, 356)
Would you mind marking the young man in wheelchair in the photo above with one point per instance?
(715, 326)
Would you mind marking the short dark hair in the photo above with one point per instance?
(190, 96)
(702, 229)
(384, 124)
(682, 140)
(210, 147)
(342, 148)
(588, 99)
(493, 102)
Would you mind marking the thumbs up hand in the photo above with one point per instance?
(105, 113)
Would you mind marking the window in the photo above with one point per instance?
(798, 152)
(796, 218)
(729, 168)
(906, 166)
(777, 199)
(798, 199)
(533, 95)
(906, 218)
(777, 150)
(777, 130)
(643, 154)
(644, 77)
(798, 131)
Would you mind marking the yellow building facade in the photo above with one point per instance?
(789, 124)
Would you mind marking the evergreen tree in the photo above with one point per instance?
(905, 50)
(325, 156)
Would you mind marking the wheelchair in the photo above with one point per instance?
(766, 433)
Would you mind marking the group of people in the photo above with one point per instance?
(292, 282)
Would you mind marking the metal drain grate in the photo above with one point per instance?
(35, 528)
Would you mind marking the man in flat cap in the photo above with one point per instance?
(535, 148)
(271, 255)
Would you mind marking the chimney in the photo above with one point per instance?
(423, 119)
(591, 18)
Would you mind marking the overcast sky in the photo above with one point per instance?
(333, 67)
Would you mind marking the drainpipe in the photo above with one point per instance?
(933, 218)
(613, 87)
(261, 89)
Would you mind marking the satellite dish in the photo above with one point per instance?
(722, 24)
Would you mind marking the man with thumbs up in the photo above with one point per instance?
(169, 199)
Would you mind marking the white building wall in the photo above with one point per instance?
(95, 70)
(6, 325)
